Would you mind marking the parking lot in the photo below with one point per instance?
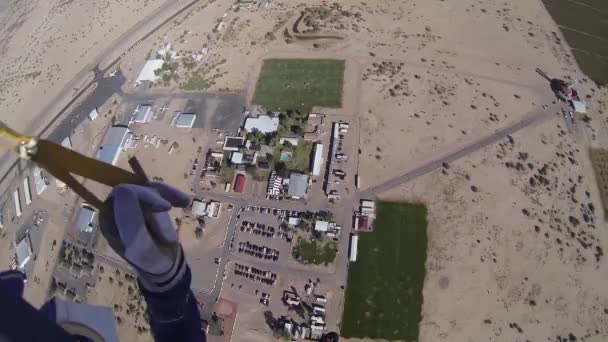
(261, 235)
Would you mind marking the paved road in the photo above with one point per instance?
(531, 118)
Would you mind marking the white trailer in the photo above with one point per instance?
(317, 327)
(27, 191)
(17, 200)
(317, 319)
(320, 299)
(354, 241)
(318, 308)
(293, 302)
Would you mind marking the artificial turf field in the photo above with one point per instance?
(384, 289)
(300, 84)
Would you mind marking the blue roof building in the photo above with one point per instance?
(85, 219)
(113, 143)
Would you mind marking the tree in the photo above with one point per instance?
(325, 215)
(269, 157)
(296, 129)
(302, 225)
(201, 221)
(269, 138)
(281, 169)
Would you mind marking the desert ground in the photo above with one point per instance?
(515, 229)
(119, 290)
(424, 79)
(46, 43)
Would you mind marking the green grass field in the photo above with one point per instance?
(313, 252)
(301, 156)
(300, 84)
(384, 292)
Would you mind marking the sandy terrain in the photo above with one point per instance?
(423, 78)
(46, 43)
(529, 256)
(431, 88)
(120, 291)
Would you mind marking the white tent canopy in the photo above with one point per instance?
(148, 71)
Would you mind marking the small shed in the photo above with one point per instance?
(239, 183)
(93, 114)
(85, 219)
(141, 114)
(321, 226)
(185, 120)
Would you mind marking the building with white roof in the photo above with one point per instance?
(185, 120)
(17, 202)
(23, 251)
(113, 143)
(262, 123)
(354, 243)
(210, 209)
(67, 142)
(148, 72)
(317, 159)
(199, 208)
(294, 221)
(238, 158)
(141, 114)
(93, 114)
(321, 226)
(292, 140)
(213, 209)
(85, 219)
(27, 191)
